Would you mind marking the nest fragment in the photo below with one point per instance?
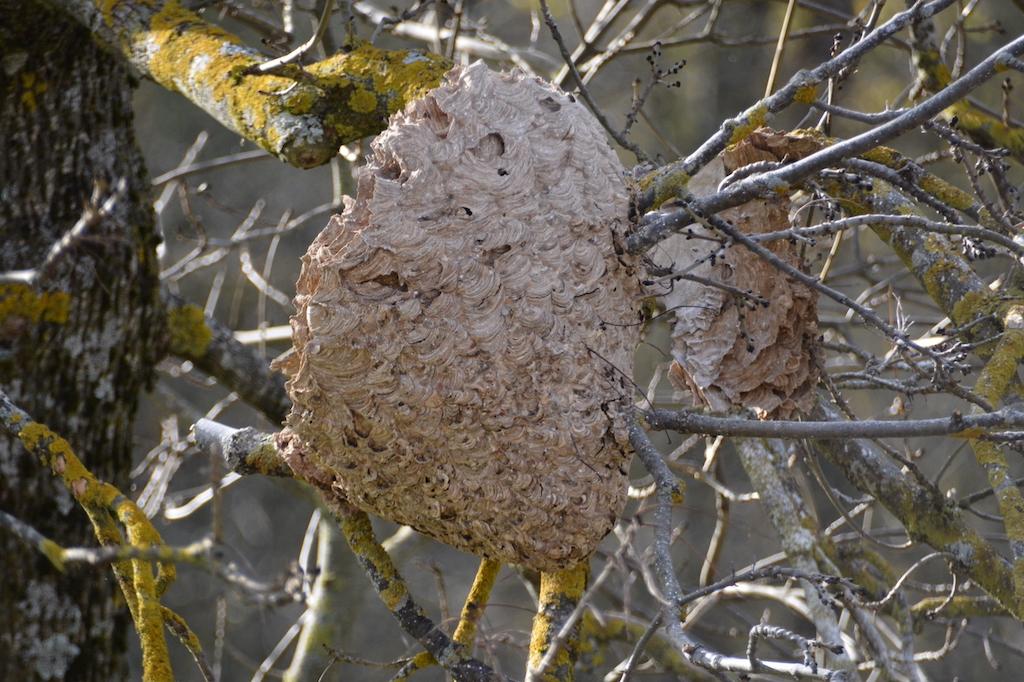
(465, 329)
(734, 351)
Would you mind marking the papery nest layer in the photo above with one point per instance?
(465, 329)
(750, 343)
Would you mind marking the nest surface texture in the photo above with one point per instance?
(465, 329)
(752, 345)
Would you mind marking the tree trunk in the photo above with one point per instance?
(77, 346)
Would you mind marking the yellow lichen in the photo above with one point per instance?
(52, 551)
(678, 493)
(348, 89)
(149, 625)
(106, 8)
(1001, 367)
(754, 119)
(942, 190)
(266, 460)
(300, 99)
(362, 100)
(359, 533)
(189, 334)
(933, 73)
(97, 498)
(596, 635)
(476, 601)
(971, 305)
(56, 453)
(806, 94)
(189, 55)
(559, 591)
(399, 76)
(21, 300)
(993, 381)
(959, 606)
(31, 86)
(663, 186)
(987, 130)
(182, 630)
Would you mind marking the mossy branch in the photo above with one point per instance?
(924, 511)
(213, 349)
(596, 636)
(472, 610)
(106, 506)
(960, 606)
(999, 373)
(391, 587)
(242, 447)
(553, 652)
(933, 260)
(245, 451)
(301, 115)
(933, 75)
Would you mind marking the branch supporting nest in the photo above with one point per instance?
(301, 115)
(243, 447)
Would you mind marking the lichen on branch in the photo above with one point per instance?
(300, 115)
(104, 503)
(933, 75)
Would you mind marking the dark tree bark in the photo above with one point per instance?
(77, 346)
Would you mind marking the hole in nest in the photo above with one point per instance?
(490, 255)
(437, 120)
(550, 104)
(490, 146)
(391, 280)
(389, 169)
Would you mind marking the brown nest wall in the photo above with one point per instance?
(465, 330)
(751, 341)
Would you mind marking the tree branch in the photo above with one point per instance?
(783, 179)
(923, 510)
(355, 526)
(964, 426)
(665, 183)
(670, 594)
(302, 117)
(212, 347)
(103, 503)
(554, 642)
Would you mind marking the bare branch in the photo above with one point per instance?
(787, 177)
(963, 426)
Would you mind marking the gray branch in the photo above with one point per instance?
(661, 224)
(683, 421)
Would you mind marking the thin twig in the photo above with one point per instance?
(584, 92)
(780, 47)
(298, 52)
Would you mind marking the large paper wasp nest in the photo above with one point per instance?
(464, 335)
(752, 345)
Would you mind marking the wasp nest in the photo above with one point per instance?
(751, 342)
(465, 329)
